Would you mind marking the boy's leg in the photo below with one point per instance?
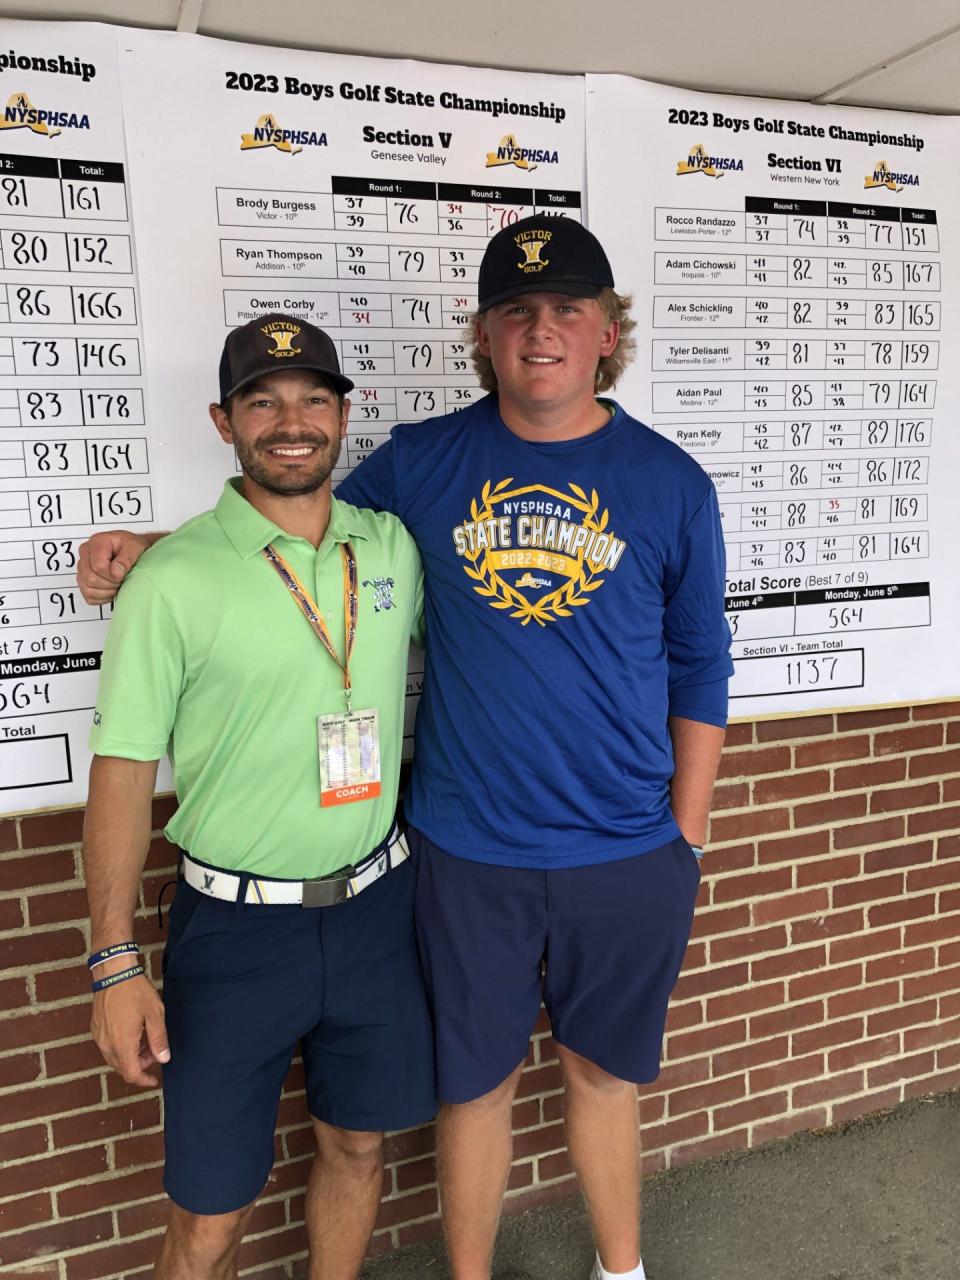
(476, 1148)
(603, 1137)
(617, 936)
(481, 931)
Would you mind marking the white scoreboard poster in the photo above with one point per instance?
(795, 279)
(353, 192)
(75, 447)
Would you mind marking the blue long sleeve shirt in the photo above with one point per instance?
(574, 602)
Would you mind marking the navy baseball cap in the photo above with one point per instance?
(542, 254)
(273, 342)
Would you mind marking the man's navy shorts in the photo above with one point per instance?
(602, 944)
(243, 986)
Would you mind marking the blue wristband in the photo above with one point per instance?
(108, 953)
(697, 851)
(103, 983)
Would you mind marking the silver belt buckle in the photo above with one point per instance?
(327, 891)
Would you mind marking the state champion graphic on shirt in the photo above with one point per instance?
(537, 552)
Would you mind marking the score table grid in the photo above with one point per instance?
(389, 238)
(63, 420)
(812, 499)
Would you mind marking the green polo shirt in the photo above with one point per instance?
(208, 655)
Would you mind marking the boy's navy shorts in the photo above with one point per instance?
(244, 986)
(601, 944)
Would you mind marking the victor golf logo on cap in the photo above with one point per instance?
(282, 333)
(532, 245)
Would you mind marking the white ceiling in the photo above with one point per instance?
(878, 53)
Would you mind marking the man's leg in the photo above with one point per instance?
(343, 1195)
(603, 1137)
(368, 1065)
(201, 1246)
(476, 1147)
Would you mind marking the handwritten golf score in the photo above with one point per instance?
(75, 447)
(792, 267)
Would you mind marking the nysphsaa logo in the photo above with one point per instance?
(509, 151)
(699, 161)
(884, 176)
(268, 133)
(20, 113)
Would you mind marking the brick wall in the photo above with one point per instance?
(822, 982)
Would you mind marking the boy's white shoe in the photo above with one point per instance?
(598, 1272)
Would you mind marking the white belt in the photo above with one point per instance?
(325, 891)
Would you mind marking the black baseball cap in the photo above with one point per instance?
(275, 341)
(542, 254)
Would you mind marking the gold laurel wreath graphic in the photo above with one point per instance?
(559, 603)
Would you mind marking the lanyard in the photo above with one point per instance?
(305, 604)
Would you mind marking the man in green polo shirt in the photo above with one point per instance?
(265, 642)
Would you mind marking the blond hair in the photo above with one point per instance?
(615, 307)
